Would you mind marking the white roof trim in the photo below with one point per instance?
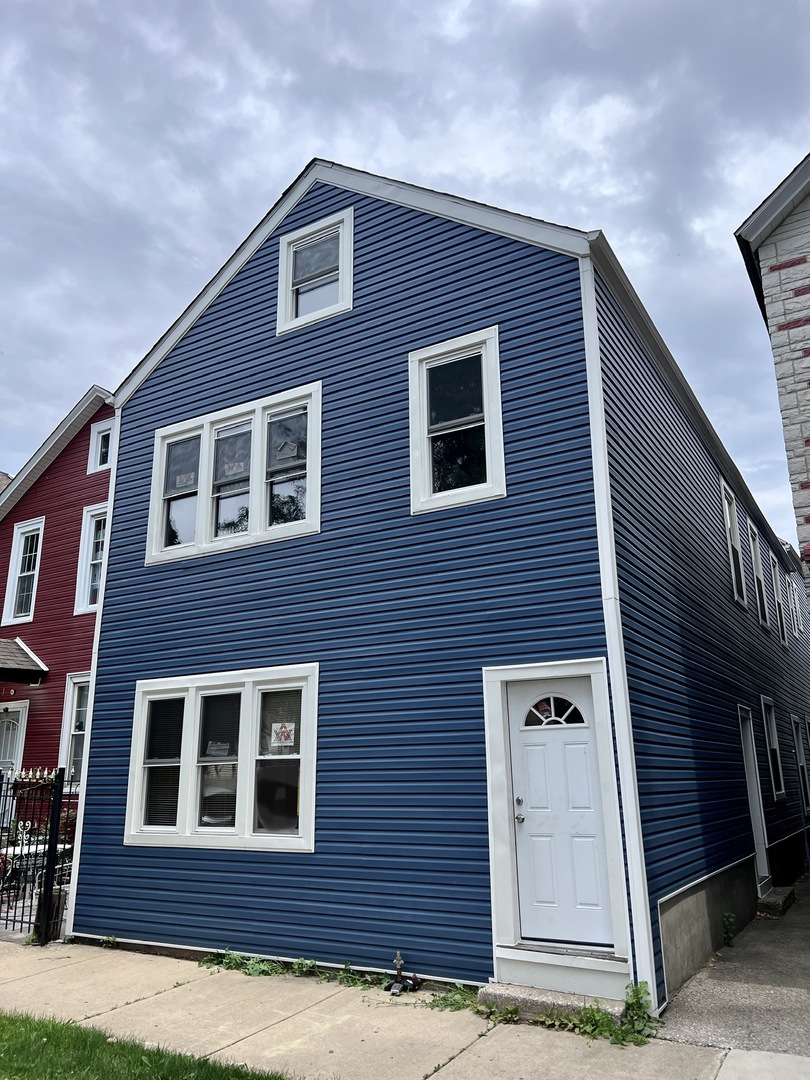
(773, 210)
(478, 215)
(53, 446)
(31, 653)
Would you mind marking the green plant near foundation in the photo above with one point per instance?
(729, 927)
(248, 965)
(594, 1022)
(304, 967)
(454, 999)
(109, 942)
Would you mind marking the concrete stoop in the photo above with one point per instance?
(532, 1002)
(776, 901)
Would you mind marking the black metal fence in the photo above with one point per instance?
(37, 829)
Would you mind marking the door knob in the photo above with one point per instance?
(519, 818)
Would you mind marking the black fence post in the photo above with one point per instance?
(52, 855)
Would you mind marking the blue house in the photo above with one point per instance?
(436, 618)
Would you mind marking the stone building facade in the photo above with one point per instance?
(775, 243)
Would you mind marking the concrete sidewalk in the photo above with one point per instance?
(322, 1031)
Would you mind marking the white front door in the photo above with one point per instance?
(11, 732)
(559, 831)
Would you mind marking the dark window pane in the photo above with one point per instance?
(104, 448)
(288, 500)
(455, 391)
(232, 459)
(232, 514)
(76, 756)
(316, 258)
(286, 443)
(181, 521)
(162, 787)
(25, 595)
(280, 724)
(219, 728)
(218, 796)
(277, 783)
(458, 459)
(28, 563)
(182, 466)
(316, 297)
(164, 731)
(776, 768)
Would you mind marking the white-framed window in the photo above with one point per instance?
(92, 547)
(315, 271)
(74, 726)
(759, 580)
(23, 571)
(225, 760)
(236, 477)
(801, 761)
(456, 431)
(101, 445)
(776, 575)
(795, 607)
(733, 540)
(772, 744)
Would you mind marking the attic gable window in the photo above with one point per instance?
(241, 476)
(315, 272)
(101, 445)
(456, 429)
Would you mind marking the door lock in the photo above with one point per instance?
(519, 800)
(519, 818)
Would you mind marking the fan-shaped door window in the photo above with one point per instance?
(553, 711)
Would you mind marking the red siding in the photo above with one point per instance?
(60, 639)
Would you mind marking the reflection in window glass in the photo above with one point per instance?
(456, 424)
(278, 765)
(180, 491)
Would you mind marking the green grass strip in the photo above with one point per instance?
(33, 1049)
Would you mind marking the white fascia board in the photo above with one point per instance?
(32, 654)
(452, 207)
(53, 446)
(773, 210)
(605, 261)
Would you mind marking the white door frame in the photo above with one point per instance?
(569, 970)
(22, 707)
(753, 786)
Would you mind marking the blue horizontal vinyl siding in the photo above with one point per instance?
(693, 653)
(400, 611)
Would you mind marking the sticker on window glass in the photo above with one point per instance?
(217, 749)
(283, 734)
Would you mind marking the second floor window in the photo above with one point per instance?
(23, 572)
(91, 558)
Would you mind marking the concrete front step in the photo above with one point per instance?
(532, 1002)
(776, 901)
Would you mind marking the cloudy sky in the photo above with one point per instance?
(141, 140)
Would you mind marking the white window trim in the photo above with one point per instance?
(423, 499)
(257, 533)
(801, 762)
(90, 514)
(72, 681)
(776, 576)
(286, 319)
(96, 431)
(733, 542)
(251, 683)
(759, 578)
(21, 530)
(796, 620)
(772, 743)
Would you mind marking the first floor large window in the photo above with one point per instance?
(225, 760)
(239, 476)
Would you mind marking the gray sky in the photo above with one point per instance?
(141, 140)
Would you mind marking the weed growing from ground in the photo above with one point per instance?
(635, 1027)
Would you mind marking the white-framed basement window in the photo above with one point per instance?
(23, 571)
(772, 744)
(101, 445)
(92, 546)
(74, 726)
(759, 580)
(225, 760)
(456, 429)
(776, 575)
(315, 272)
(733, 541)
(240, 476)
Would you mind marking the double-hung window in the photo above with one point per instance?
(23, 572)
(759, 581)
(74, 726)
(315, 272)
(733, 541)
(772, 743)
(91, 558)
(225, 760)
(241, 476)
(776, 575)
(101, 445)
(795, 607)
(455, 420)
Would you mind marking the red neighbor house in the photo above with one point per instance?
(53, 529)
